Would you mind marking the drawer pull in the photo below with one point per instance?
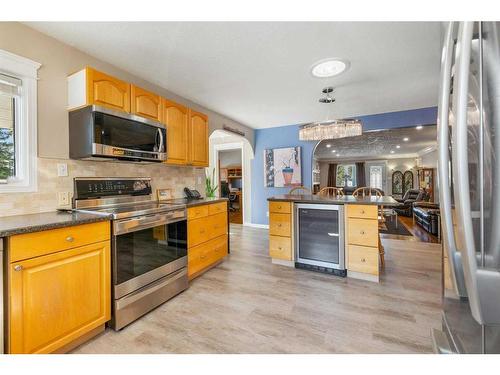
(362, 232)
(202, 230)
(70, 239)
(279, 207)
(279, 225)
(363, 260)
(362, 212)
(279, 248)
(203, 256)
(18, 268)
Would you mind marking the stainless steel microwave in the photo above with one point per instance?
(100, 133)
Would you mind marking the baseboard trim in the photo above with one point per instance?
(363, 276)
(281, 262)
(262, 226)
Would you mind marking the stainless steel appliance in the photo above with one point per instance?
(469, 174)
(100, 133)
(149, 243)
(319, 238)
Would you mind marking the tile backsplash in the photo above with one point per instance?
(49, 184)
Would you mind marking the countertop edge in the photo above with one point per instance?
(52, 225)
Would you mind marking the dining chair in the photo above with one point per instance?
(331, 192)
(299, 190)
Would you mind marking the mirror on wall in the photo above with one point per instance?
(383, 159)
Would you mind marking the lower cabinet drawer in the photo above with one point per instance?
(216, 208)
(280, 247)
(363, 232)
(197, 212)
(206, 254)
(280, 224)
(31, 245)
(206, 228)
(363, 259)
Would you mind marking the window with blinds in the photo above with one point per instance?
(10, 88)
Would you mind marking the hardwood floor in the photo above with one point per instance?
(418, 233)
(249, 305)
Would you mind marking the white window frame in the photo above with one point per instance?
(353, 165)
(26, 122)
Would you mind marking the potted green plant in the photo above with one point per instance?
(210, 187)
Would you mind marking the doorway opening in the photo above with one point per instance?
(230, 160)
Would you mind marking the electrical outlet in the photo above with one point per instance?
(63, 198)
(62, 170)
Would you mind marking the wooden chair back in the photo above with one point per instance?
(331, 192)
(366, 192)
(299, 190)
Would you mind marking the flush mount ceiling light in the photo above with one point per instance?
(398, 146)
(328, 145)
(392, 151)
(329, 67)
(406, 139)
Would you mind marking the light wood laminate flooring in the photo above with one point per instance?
(249, 305)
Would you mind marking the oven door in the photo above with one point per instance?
(146, 249)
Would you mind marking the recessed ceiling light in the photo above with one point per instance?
(398, 146)
(328, 145)
(419, 127)
(334, 150)
(392, 151)
(329, 67)
(406, 139)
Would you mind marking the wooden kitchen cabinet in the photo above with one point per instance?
(145, 103)
(90, 86)
(198, 139)
(57, 299)
(176, 118)
(207, 236)
(281, 232)
(362, 242)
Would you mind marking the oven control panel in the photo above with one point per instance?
(96, 188)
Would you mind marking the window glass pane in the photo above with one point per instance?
(376, 177)
(7, 136)
(346, 175)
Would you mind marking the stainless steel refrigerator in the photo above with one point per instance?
(469, 179)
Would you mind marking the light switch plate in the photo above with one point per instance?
(62, 170)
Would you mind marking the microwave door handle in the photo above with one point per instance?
(160, 136)
(456, 269)
(482, 284)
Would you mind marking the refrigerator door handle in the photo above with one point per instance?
(456, 268)
(483, 285)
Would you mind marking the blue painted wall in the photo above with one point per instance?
(288, 136)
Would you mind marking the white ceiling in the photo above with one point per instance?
(258, 73)
(373, 145)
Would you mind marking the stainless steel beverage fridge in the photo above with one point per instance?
(469, 179)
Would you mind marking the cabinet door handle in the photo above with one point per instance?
(279, 225)
(202, 230)
(363, 260)
(70, 239)
(279, 248)
(362, 212)
(362, 232)
(18, 268)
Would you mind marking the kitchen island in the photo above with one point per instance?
(360, 252)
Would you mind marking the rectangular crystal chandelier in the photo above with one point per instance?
(318, 131)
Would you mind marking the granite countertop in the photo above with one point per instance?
(196, 202)
(348, 199)
(19, 224)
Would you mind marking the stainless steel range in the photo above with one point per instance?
(149, 243)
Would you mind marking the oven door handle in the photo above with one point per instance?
(145, 222)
